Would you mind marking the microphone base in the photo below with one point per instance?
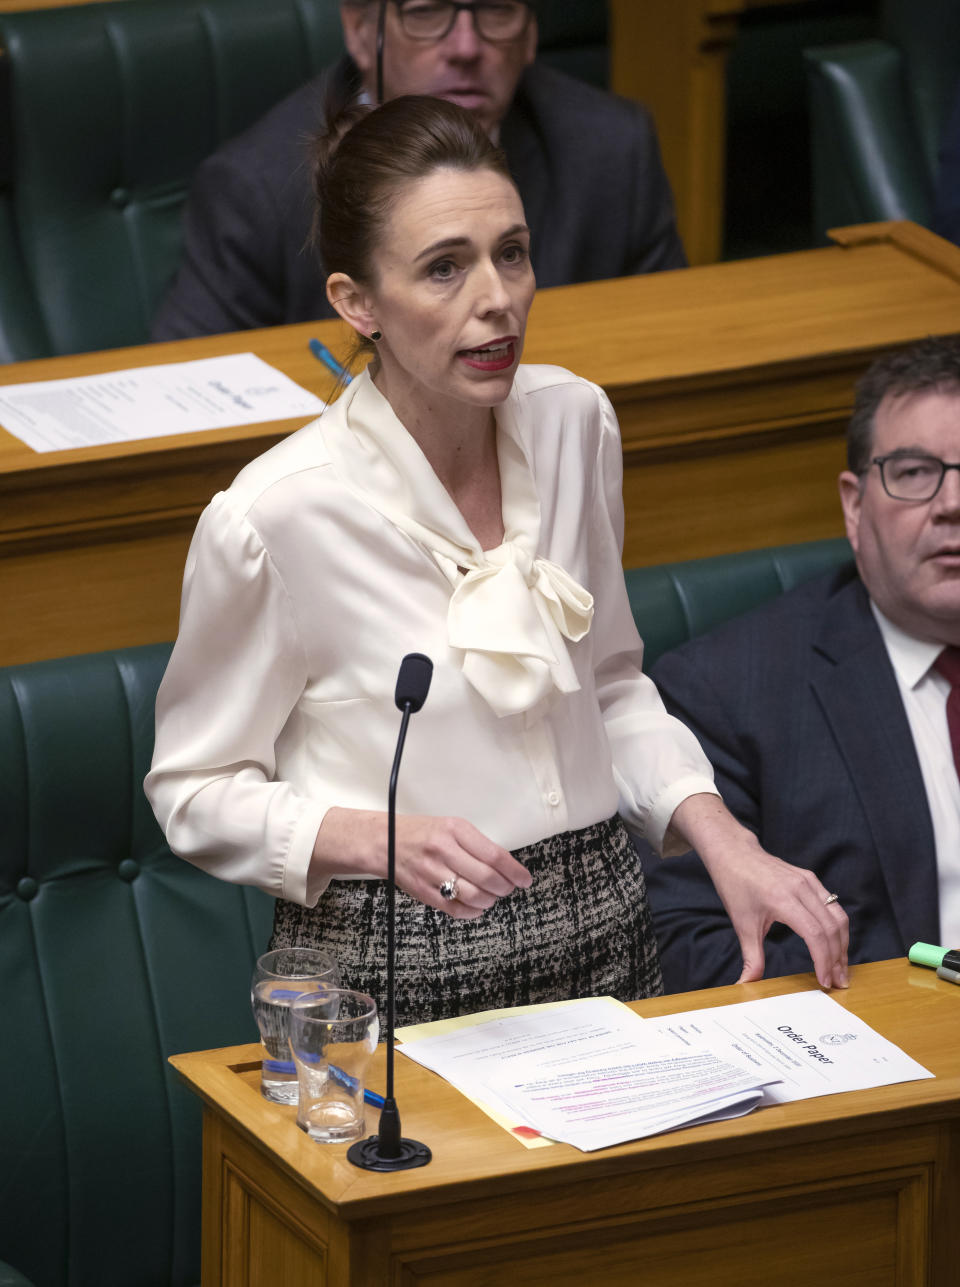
(366, 1155)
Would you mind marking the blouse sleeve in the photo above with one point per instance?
(236, 672)
(657, 762)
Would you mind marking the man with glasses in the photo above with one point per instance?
(827, 713)
(587, 165)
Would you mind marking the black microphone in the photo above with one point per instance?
(413, 682)
(387, 1150)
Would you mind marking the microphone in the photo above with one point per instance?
(388, 1150)
(413, 682)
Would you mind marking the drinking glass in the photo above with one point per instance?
(279, 978)
(332, 1038)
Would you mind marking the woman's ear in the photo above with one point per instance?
(352, 302)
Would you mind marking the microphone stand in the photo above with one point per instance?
(388, 1150)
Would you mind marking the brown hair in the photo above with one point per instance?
(930, 366)
(367, 155)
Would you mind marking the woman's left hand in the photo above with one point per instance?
(757, 889)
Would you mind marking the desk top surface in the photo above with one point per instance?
(472, 1156)
(706, 327)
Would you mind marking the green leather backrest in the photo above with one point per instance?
(111, 107)
(674, 602)
(867, 163)
(105, 112)
(114, 954)
(877, 110)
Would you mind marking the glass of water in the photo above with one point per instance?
(279, 978)
(333, 1036)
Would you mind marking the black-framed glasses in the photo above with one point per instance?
(911, 475)
(493, 20)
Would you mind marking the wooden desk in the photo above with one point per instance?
(858, 1189)
(732, 383)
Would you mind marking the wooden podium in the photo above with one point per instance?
(857, 1189)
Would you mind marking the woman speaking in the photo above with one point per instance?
(455, 503)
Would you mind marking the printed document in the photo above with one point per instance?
(592, 1073)
(584, 1072)
(810, 1043)
(152, 402)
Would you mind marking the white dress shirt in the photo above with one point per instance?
(339, 551)
(924, 692)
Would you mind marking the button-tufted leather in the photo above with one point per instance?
(105, 111)
(114, 954)
(674, 602)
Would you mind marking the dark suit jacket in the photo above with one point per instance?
(587, 165)
(798, 708)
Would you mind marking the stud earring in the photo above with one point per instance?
(376, 335)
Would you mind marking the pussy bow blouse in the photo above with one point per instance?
(337, 552)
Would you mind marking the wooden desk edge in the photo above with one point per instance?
(355, 1195)
(910, 237)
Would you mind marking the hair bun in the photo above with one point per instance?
(340, 119)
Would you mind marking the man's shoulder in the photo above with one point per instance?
(276, 144)
(558, 100)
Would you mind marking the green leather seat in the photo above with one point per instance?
(109, 108)
(877, 111)
(105, 112)
(115, 954)
(674, 602)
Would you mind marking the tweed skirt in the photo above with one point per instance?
(582, 929)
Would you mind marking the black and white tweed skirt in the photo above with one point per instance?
(582, 929)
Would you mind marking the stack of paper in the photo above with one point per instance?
(592, 1073)
(152, 401)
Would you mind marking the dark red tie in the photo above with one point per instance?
(948, 664)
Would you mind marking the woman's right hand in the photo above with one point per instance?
(429, 851)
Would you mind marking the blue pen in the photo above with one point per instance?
(323, 354)
(343, 1078)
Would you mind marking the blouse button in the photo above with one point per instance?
(553, 798)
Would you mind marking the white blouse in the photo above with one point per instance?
(337, 552)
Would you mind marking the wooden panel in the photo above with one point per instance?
(854, 1188)
(749, 1245)
(672, 55)
(79, 598)
(751, 1218)
(266, 1243)
(258, 1226)
(777, 493)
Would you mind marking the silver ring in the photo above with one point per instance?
(831, 898)
(450, 889)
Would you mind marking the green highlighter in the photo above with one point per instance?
(945, 960)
